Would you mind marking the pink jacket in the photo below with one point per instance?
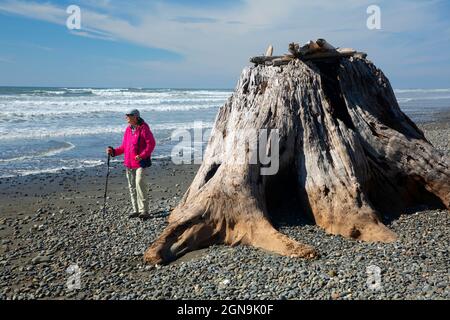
(130, 148)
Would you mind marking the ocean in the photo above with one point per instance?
(54, 129)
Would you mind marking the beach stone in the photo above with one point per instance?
(100, 244)
(41, 259)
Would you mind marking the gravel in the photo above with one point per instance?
(108, 250)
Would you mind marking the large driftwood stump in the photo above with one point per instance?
(347, 154)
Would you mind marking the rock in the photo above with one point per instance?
(335, 295)
(41, 259)
(226, 282)
(332, 273)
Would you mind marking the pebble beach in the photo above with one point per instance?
(52, 224)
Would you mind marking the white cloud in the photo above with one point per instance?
(213, 46)
(41, 11)
(92, 35)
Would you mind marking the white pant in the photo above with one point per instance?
(138, 189)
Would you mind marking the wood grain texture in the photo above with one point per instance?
(344, 142)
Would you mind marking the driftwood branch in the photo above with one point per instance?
(314, 50)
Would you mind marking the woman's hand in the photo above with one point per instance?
(138, 158)
(109, 150)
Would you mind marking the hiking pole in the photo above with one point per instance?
(106, 186)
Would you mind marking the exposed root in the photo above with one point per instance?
(178, 239)
(264, 236)
(363, 227)
(342, 212)
(199, 232)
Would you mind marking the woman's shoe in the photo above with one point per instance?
(144, 215)
(134, 215)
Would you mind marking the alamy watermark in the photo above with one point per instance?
(240, 146)
(74, 280)
(74, 19)
(374, 277)
(374, 20)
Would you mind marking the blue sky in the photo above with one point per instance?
(206, 43)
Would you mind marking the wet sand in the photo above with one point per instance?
(85, 188)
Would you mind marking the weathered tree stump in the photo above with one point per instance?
(347, 154)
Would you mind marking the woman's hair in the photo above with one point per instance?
(140, 121)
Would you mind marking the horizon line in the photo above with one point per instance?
(177, 88)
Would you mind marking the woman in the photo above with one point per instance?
(137, 145)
